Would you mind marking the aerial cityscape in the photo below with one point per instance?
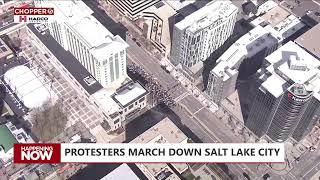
(162, 71)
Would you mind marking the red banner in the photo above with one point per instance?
(37, 153)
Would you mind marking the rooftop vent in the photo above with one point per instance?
(89, 80)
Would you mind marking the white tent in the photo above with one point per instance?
(27, 86)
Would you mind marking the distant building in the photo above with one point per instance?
(287, 102)
(163, 132)
(249, 50)
(97, 49)
(10, 135)
(198, 35)
(308, 42)
(133, 9)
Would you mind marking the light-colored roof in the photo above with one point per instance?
(123, 172)
(7, 139)
(129, 93)
(292, 62)
(27, 86)
(307, 40)
(207, 15)
(90, 29)
(289, 26)
(105, 102)
(164, 131)
(245, 47)
(176, 5)
(275, 15)
(70, 11)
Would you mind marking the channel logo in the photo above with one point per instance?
(36, 153)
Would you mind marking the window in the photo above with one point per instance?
(142, 99)
(136, 103)
(131, 106)
(116, 121)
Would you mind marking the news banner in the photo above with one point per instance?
(149, 153)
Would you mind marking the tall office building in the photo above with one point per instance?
(98, 50)
(132, 8)
(198, 35)
(288, 99)
(248, 51)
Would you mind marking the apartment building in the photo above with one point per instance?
(288, 95)
(202, 32)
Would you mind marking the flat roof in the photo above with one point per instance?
(105, 101)
(123, 172)
(7, 139)
(275, 15)
(129, 93)
(291, 62)
(70, 11)
(163, 131)
(177, 5)
(207, 15)
(95, 38)
(78, 71)
(308, 42)
(247, 46)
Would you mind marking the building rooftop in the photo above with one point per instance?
(7, 139)
(120, 173)
(289, 26)
(207, 15)
(78, 71)
(70, 11)
(105, 101)
(247, 46)
(100, 36)
(27, 86)
(308, 42)
(164, 131)
(129, 93)
(291, 62)
(177, 5)
(275, 15)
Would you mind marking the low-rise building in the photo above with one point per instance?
(163, 132)
(10, 135)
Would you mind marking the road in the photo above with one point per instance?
(200, 120)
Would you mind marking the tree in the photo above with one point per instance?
(48, 121)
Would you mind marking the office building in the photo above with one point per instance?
(249, 52)
(133, 9)
(97, 49)
(198, 35)
(287, 102)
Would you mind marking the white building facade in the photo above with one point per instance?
(98, 50)
(198, 35)
(223, 77)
